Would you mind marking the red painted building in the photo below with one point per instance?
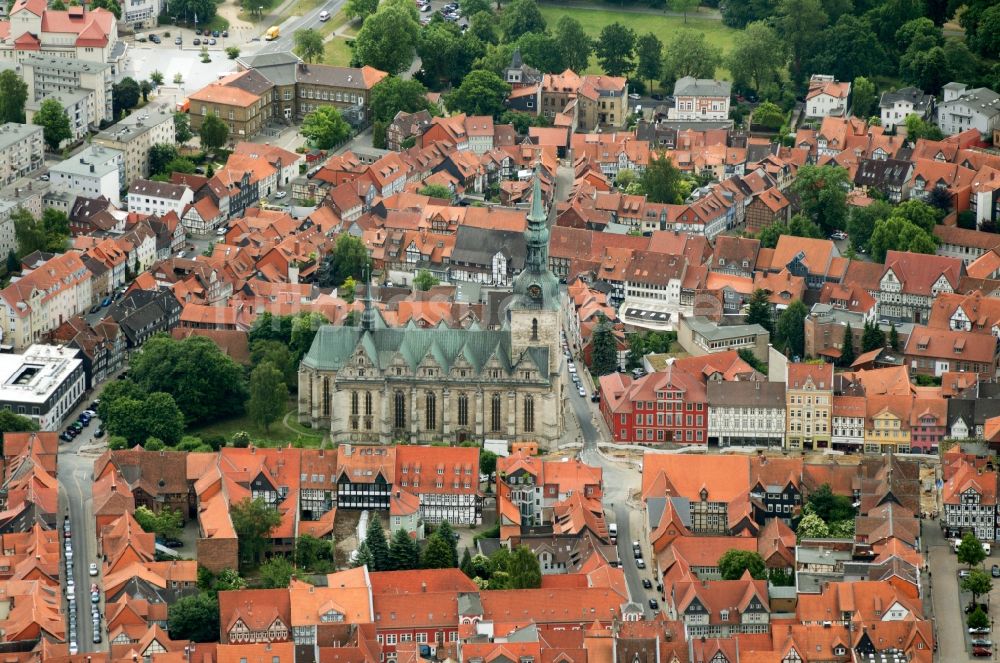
(667, 406)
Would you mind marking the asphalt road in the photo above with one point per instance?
(76, 465)
(311, 20)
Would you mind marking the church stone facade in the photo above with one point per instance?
(374, 384)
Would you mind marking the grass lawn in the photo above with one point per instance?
(337, 52)
(278, 435)
(664, 27)
(337, 20)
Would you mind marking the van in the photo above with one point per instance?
(272, 33)
(613, 532)
(324, 16)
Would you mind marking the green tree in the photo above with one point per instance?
(268, 395)
(689, 54)
(13, 266)
(829, 506)
(138, 419)
(899, 234)
(683, 6)
(466, 564)
(348, 258)
(524, 570)
(52, 118)
(435, 191)
(978, 619)
(13, 96)
(917, 128)
(473, 7)
(404, 553)
(166, 522)
(205, 383)
(387, 40)
(574, 44)
(360, 9)
(159, 156)
(615, 49)
(309, 45)
(377, 544)
(863, 220)
(194, 618)
(325, 127)
(734, 563)
(520, 17)
(738, 13)
(650, 53)
(487, 462)
(812, 527)
(759, 310)
(279, 355)
(424, 280)
(182, 127)
(987, 41)
(977, 583)
(145, 87)
(156, 78)
(125, 95)
(758, 56)
(56, 225)
(872, 338)
(541, 50)
(893, 338)
(28, 231)
(437, 553)
(392, 95)
(799, 23)
(769, 114)
(213, 133)
(848, 49)
(970, 551)
(661, 180)
(865, 96)
(14, 423)
(276, 573)
(789, 328)
(313, 554)
(232, 52)
(483, 26)
(363, 557)
(847, 354)
(446, 53)
(822, 192)
(253, 521)
(481, 93)
(604, 358)
(111, 5)
(919, 213)
(445, 531)
(304, 328)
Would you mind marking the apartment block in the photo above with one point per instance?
(46, 75)
(22, 151)
(808, 405)
(96, 171)
(135, 136)
(159, 198)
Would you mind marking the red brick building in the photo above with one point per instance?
(668, 406)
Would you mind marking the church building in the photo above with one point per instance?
(375, 384)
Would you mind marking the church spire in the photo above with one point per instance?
(368, 315)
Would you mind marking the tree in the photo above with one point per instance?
(865, 97)
(799, 22)
(615, 49)
(893, 338)
(487, 462)
(392, 95)
(977, 583)
(214, 133)
(789, 328)
(363, 557)
(156, 78)
(309, 44)
(13, 96)
(822, 191)
(268, 395)
(683, 6)
(424, 280)
(435, 191)
(125, 95)
(279, 355)
(848, 49)
(313, 554)
(734, 563)
(111, 5)
(661, 180)
(899, 234)
(253, 521)
(520, 17)
(481, 93)
(650, 52)
(769, 115)
(276, 573)
(847, 354)
(377, 544)
(757, 57)
(574, 44)
(325, 127)
(404, 553)
(541, 51)
(872, 338)
(145, 87)
(159, 156)
(759, 310)
(194, 618)
(466, 564)
(437, 554)
(445, 531)
(348, 258)
(205, 383)
(941, 199)
(483, 26)
(970, 551)
(812, 527)
(304, 328)
(829, 506)
(524, 570)
(387, 40)
(182, 127)
(604, 358)
(473, 7)
(166, 522)
(360, 9)
(232, 52)
(917, 128)
(987, 41)
(28, 231)
(447, 54)
(978, 619)
(54, 122)
(13, 266)
(863, 220)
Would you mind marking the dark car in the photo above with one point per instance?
(99, 432)
(215, 33)
(653, 604)
(647, 583)
(225, 33)
(982, 651)
(155, 39)
(196, 42)
(65, 437)
(198, 32)
(76, 426)
(95, 308)
(995, 571)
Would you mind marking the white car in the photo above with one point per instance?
(221, 232)
(70, 591)
(280, 195)
(324, 16)
(582, 392)
(93, 568)
(73, 649)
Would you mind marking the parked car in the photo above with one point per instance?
(582, 392)
(95, 597)
(964, 573)
(981, 642)
(155, 39)
(982, 630)
(105, 302)
(95, 308)
(196, 42)
(44, 178)
(225, 33)
(640, 563)
(280, 195)
(995, 571)
(982, 651)
(647, 583)
(653, 604)
(215, 33)
(99, 432)
(178, 41)
(93, 568)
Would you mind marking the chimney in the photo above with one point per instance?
(423, 587)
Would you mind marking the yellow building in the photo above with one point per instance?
(887, 424)
(808, 406)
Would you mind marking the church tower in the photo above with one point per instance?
(534, 313)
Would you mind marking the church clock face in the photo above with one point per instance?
(535, 291)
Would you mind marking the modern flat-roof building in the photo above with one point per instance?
(46, 75)
(22, 150)
(700, 336)
(77, 103)
(135, 135)
(44, 383)
(96, 171)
